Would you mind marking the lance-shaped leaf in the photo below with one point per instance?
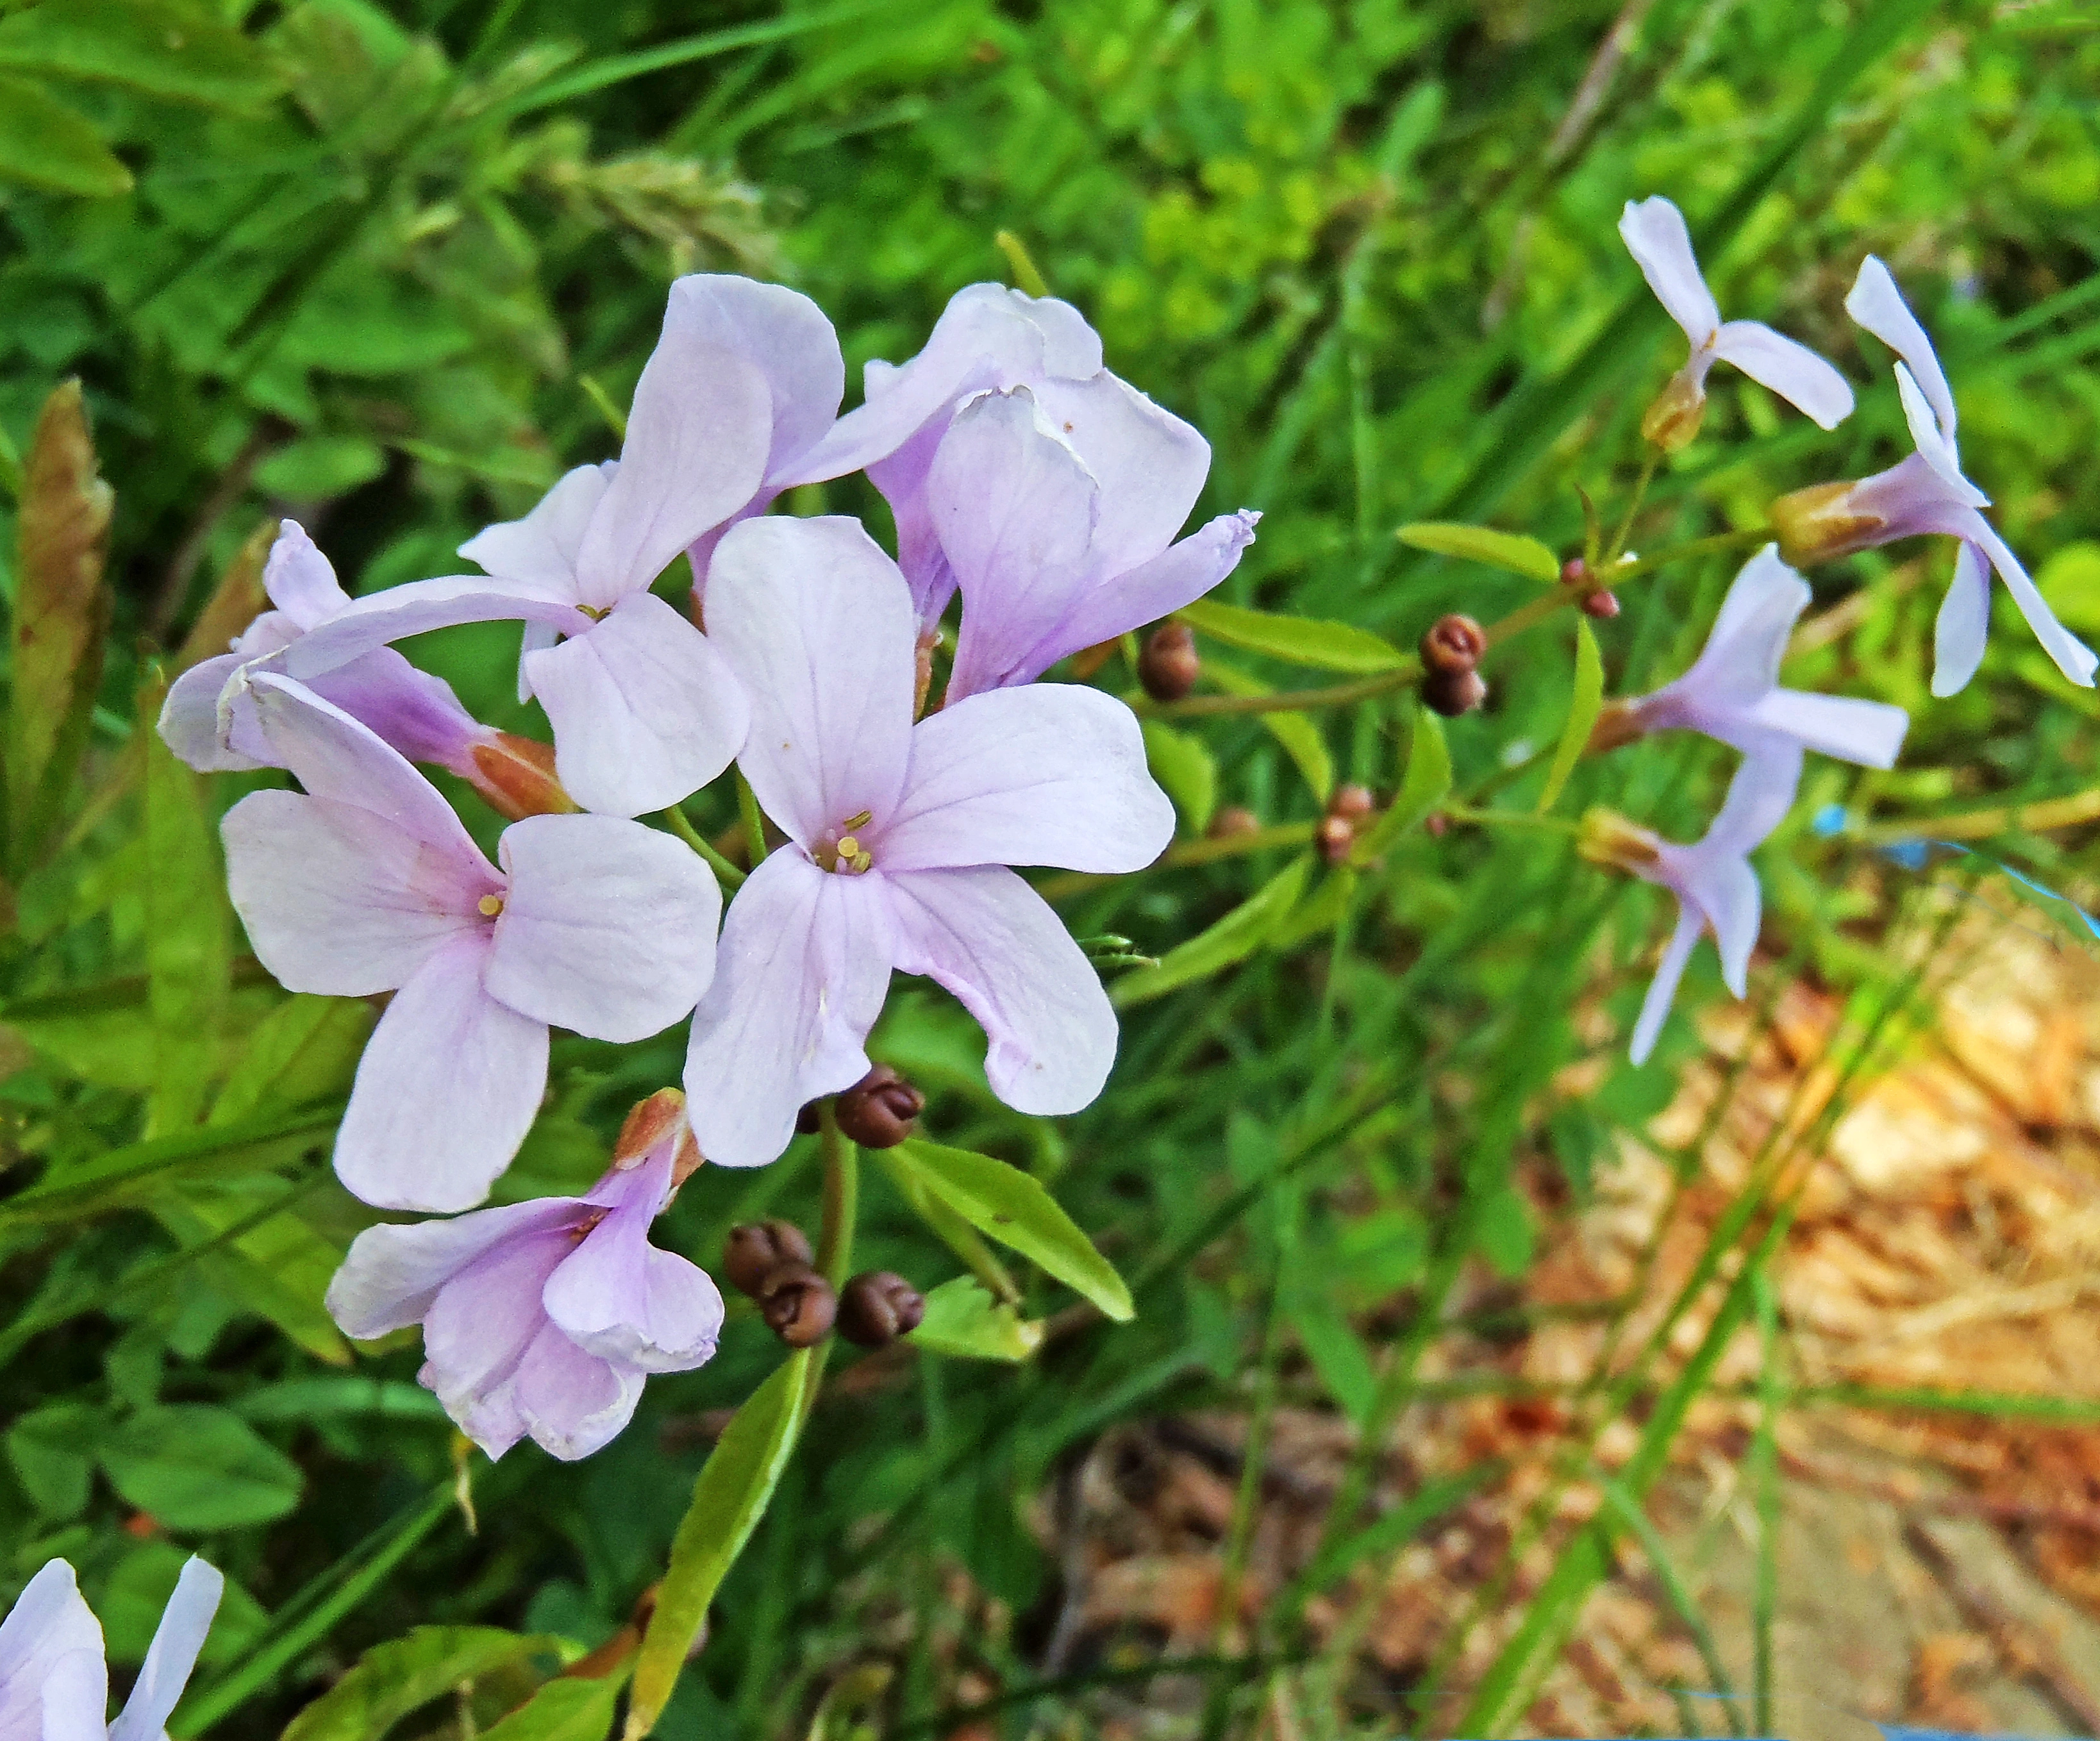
(1300, 737)
(394, 1679)
(735, 1485)
(45, 144)
(1477, 544)
(1299, 640)
(61, 616)
(165, 50)
(1233, 938)
(1187, 773)
(1426, 786)
(1582, 711)
(571, 1710)
(196, 1467)
(189, 924)
(306, 1049)
(1003, 1203)
(965, 1323)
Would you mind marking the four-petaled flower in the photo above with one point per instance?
(899, 839)
(1925, 493)
(368, 883)
(54, 1680)
(544, 1317)
(1655, 234)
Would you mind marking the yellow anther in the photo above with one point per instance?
(849, 847)
(860, 861)
(489, 905)
(861, 821)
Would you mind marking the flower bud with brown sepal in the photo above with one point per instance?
(754, 1251)
(877, 1306)
(878, 1111)
(517, 776)
(797, 1304)
(1169, 665)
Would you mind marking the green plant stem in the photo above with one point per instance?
(1204, 852)
(1980, 825)
(835, 1236)
(1493, 818)
(1764, 1475)
(754, 821)
(1561, 598)
(726, 873)
(1626, 520)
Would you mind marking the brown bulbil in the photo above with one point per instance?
(517, 776)
(1347, 811)
(1232, 820)
(1169, 664)
(1353, 801)
(757, 1249)
(1574, 572)
(877, 1306)
(797, 1304)
(1452, 645)
(877, 1111)
(1601, 605)
(1452, 693)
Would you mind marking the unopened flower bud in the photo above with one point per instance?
(517, 776)
(1606, 838)
(922, 669)
(1437, 822)
(1452, 693)
(797, 1304)
(757, 1249)
(1169, 665)
(1231, 820)
(1820, 523)
(1352, 801)
(1452, 644)
(649, 1124)
(1574, 572)
(1346, 811)
(1674, 419)
(877, 1307)
(1618, 724)
(877, 1111)
(1601, 605)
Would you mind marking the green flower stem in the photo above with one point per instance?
(1632, 507)
(726, 874)
(1980, 825)
(754, 821)
(1494, 819)
(1204, 852)
(1562, 596)
(835, 1236)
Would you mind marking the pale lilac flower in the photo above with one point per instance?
(54, 1681)
(1048, 559)
(1925, 493)
(416, 713)
(1655, 234)
(544, 1317)
(1145, 466)
(899, 838)
(1716, 888)
(367, 883)
(743, 381)
(1732, 692)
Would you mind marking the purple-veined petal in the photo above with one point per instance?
(618, 1297)
(537, 638)
(173, 1654)
(608, 928)
(189, 722)
(478, 1328)
(1741, 661)
(75, 1696)
(1789, 369)
(1669, 974)
(50, 1625)
(1869, 733)
(379, 619)
(697, 439)
(409, 710)
(1045, 774)
(817, 622)
(340, 901)
(901, 478)
(800, 974)
(1013, 506)
(572, 1403)
(1150, 464)
(1655, 234)
(391, 1276)
(993, 942)
(1760, 796)
(448, 1086)
(2073, 657)
(1728, 893)
(1179, 575)
(300, 580)
(646, 711)
(785, 334)
(1876, 304)
(1935, 448)
(541, 549)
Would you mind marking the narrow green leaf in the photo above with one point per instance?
(189, 924)
(1300, 641)
(45, 144)
(1003, 1203)
(1582, 711)
(280, 1270)
(948, 1227)
(1512, 551)
(1426, 785)
(1187, 773)
(965, 1323)
(1628, 1511)
(1233, 938)
(1336, 1351)
(731, 1496)
(195, 1467)
(394, 1679)
(580, 1709)
(49, 1449)
(165, 50)
(305, 1049)
(61, 616)
(1300, 737)
(1319, 911)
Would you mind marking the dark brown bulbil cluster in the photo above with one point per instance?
(797, 1304)
(1169, 664)
(877, 1112)
(878, 1306)
(1450, 650)
(772, 1262)
(1347, 812)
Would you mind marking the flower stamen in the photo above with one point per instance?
(489, 905)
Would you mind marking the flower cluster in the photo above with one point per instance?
(1024, 477)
